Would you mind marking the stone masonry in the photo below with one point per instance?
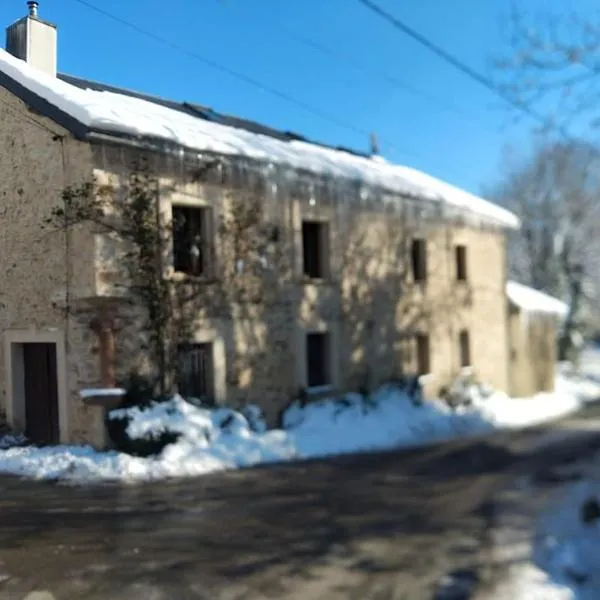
(366, 301)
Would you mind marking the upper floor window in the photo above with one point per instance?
(419, 260)
(315, 249)
(460, 258)
(191, 239)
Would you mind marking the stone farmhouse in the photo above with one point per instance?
(306, 269)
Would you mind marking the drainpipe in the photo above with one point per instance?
(103, 327)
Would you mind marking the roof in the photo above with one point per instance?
(533, 301)
(84, 107)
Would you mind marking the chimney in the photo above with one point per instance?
(33, 40)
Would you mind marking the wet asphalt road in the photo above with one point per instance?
(382, 526)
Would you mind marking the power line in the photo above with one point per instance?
(367, 69)
(232, 72)
(457, 63)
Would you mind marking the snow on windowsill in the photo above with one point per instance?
(99, 392)
(319, 389)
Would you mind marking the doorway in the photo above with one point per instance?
(41, 393)
(36, 384)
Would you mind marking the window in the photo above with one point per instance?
(460, 254)
(464, 345)
(423, 359)
(196, 375)
(315, 246)
(191, 239)
(318, 364)
(419, 260)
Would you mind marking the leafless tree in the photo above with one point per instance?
(555, 193)
(552, 65)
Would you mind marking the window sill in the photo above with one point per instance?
(315, 280)
(181, 277)
(319, 389)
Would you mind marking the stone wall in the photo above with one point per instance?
(41, 266)
(532, 352)
(367, 301)
(257, 318)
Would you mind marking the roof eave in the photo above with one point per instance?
(82, 132)
(163, 146)
(43, 107)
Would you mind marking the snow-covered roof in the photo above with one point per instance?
(534, 301)
(123, 113)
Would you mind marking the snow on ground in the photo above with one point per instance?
(527, 582)
(507, 412)
(212, 440)
(566, 549)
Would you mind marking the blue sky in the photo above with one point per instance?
(448, 125)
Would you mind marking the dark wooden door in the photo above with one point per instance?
(41, 393)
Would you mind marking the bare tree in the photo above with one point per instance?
(555, 193)
(552, 65)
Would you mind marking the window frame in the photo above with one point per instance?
(418, 258)
(461, 267)
(322, 259)
(326, 350)
(464, 349)
(209, 348)
(423, 353)
(205, 230)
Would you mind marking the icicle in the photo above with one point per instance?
(239, 266)
(364, 193)
(180, 156)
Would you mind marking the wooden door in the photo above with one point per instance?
(41, 393)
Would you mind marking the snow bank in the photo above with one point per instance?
(527, 582)
(387, 420)
(567, 549)
(113, 112)
(530, 300)
(506, 412)
(213, 440)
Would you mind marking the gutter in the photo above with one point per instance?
(161, 146)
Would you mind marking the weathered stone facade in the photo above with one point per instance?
(532, 352)
(54, 281)
(38, 160)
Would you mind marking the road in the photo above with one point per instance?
(382, 526)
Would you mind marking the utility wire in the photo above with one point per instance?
(458, 64)
(234, 73)
(361, 67)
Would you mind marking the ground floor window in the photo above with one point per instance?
(196, 371)
(423, 354)
(318, 360)
(464, 344)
